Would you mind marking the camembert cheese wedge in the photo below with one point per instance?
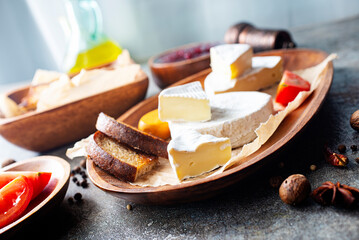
(231, 60)
(192, 154)
(186, 102)
(265, 72)
(235, 115)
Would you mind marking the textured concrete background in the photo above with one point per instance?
(250, 209)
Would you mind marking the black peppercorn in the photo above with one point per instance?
(78, 196)
(70, 200)
(313, 167)
(281, 165)
(275, 181)
(342, 148)
(354, 147)
(77, 169)
(84, 184)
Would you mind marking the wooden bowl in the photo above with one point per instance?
(50, 197)
(207, 187)
(165, 74)
(42, 131)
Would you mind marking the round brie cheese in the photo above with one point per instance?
(235, 115)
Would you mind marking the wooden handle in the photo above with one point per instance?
(259, 39)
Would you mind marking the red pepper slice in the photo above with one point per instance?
(289, 87)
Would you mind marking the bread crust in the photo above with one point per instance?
(131, 136)
(117, 167)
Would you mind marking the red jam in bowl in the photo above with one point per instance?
(186, 53)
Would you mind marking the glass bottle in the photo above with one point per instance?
(88, 47)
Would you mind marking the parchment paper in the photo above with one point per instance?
(164, 174)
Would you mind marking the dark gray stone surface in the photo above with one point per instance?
(250, 209)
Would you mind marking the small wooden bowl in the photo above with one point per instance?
(45, 130)
(50, 197)
(165, 74)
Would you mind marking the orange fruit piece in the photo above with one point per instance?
(150, 123)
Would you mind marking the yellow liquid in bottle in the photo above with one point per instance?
(102, 54)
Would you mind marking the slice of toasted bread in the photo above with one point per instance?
(131, 136)
(118, 159)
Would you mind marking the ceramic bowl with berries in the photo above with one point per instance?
(178, 63)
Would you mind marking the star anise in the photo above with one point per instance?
(336, 194)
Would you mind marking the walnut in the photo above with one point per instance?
(295, 189)
(354, 120)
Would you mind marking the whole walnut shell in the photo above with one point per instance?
(354, 120)
(295, 189)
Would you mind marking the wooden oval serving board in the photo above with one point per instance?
(204, 188)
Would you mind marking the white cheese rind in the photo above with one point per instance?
(192, 154)
(235, 115)
(186, 102)
(231, 60)
(189, 90)
(265, 72)
(265, 62)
